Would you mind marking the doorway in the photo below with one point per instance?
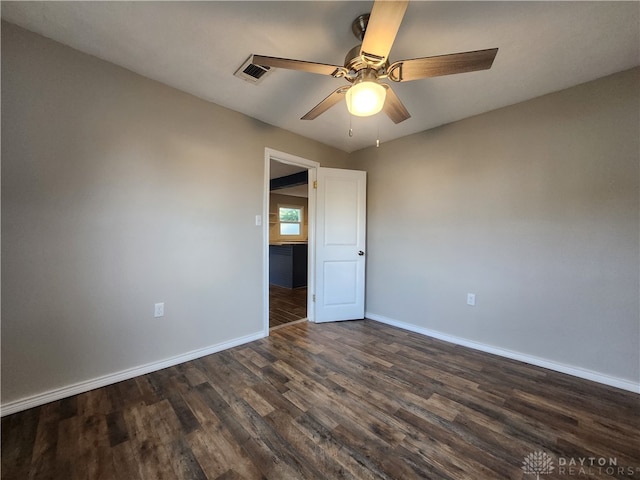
(289, 206)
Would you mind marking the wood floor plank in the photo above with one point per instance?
(150, 431)
(104, 466)
(309, 452)
(117, 428)
(286, 305)
(346, 400)
(212, 453)
(43, 459)
(69, 448)
(349, 458)
(18, 437)
(94, 439)
(188, 421)
(183, 461)
(125, 462)
(213, 445)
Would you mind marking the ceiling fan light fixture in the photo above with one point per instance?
(365, 98)
(368, 63)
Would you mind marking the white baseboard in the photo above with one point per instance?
(87, 385)
(540, 362)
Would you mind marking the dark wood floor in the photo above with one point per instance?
(286, 305)
(349, 400)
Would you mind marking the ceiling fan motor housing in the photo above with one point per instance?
(354, 62)
(359, 26)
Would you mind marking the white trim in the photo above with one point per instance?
(87, 385)
(311, 245)
(540, 362)
(311, 166)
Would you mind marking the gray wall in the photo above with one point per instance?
(119, 192)
(534, 208)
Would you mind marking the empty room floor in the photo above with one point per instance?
(346, 400)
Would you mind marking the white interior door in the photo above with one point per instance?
(340, 244)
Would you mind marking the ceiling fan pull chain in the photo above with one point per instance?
(378, 137)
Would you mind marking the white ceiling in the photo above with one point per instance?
(197, 46)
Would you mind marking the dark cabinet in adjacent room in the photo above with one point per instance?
(288, 265)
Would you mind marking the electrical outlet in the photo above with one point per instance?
(471, 299)
(158, 310)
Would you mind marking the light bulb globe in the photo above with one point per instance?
(365, 98)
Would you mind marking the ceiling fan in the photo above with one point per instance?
(366, 65)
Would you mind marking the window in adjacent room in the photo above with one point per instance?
(291, 220)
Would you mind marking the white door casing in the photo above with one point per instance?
(340, 239)
(271, 154)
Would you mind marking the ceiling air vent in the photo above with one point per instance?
(252, 73)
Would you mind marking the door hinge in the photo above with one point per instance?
(315, 184)
(314, 297)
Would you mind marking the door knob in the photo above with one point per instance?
(361, 253)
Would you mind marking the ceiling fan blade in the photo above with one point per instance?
(333, 98)
(312, 67)
(393, 107)
(384, 22)
(406, 70)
